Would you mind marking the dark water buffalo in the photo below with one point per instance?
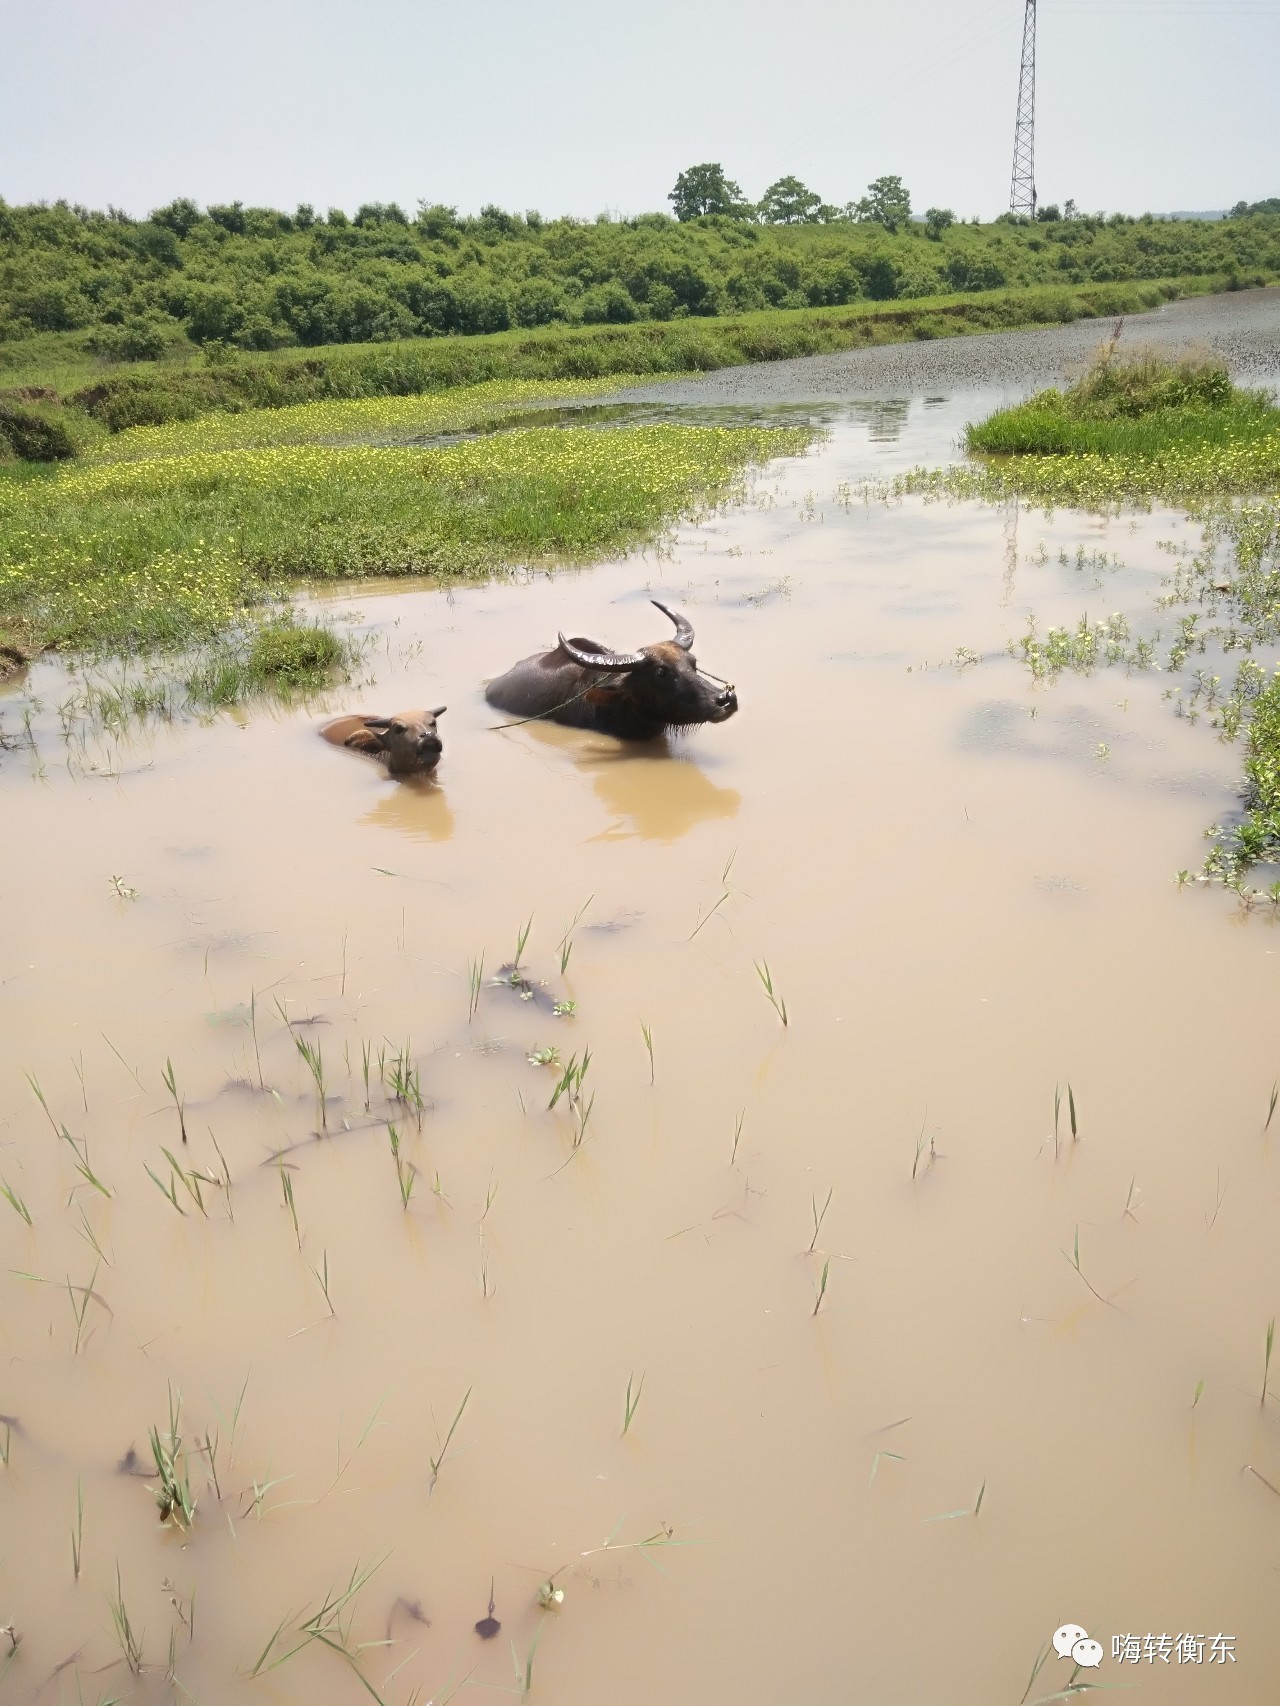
(632, 695)
(407, 743)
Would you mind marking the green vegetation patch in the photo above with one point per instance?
(154, 393)
(1140, 406)
(33, 434)
(1258, 837)
(164, 550)
(353, 420)
(1132, 429)
(284, 658)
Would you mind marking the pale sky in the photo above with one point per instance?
(576, 106)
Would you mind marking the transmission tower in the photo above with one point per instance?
(1022, 194)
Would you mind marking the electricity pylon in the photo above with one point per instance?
(1022, 194)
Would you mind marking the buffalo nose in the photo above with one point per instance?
(728, 700)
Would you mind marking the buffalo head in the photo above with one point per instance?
(407, 743)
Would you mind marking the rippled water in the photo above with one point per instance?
(961, 884)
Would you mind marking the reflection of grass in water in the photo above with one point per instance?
(129, 1641)
(822, 1285)
(1183, 472)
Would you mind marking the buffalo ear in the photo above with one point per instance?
(599, 695)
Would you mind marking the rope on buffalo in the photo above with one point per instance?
(541, 716)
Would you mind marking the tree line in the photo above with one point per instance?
(236, 276)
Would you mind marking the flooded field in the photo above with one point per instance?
(813, 1360)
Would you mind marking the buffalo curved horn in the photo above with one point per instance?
(684, 628)
(600, 660)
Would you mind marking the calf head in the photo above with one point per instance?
(408, 743)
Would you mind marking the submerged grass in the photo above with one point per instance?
(165, 550)
(1257, 836)
(1182, 471)
(1134, 431)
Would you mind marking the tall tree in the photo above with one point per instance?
(705, 189)
(887, 202)
(789, 202)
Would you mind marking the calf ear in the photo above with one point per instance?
(364, 740)
(377, 722)
(439, 711)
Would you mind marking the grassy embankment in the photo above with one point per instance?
(85, 397)
(1141, 430)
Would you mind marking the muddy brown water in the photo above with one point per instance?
(962, 887)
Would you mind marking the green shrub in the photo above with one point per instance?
(1137, 383)
(35, 434)
(135, 340)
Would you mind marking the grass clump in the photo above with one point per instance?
(1140, 406)
(1132, 429)
(1257, 837)
(283, 657)
(292, 654)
